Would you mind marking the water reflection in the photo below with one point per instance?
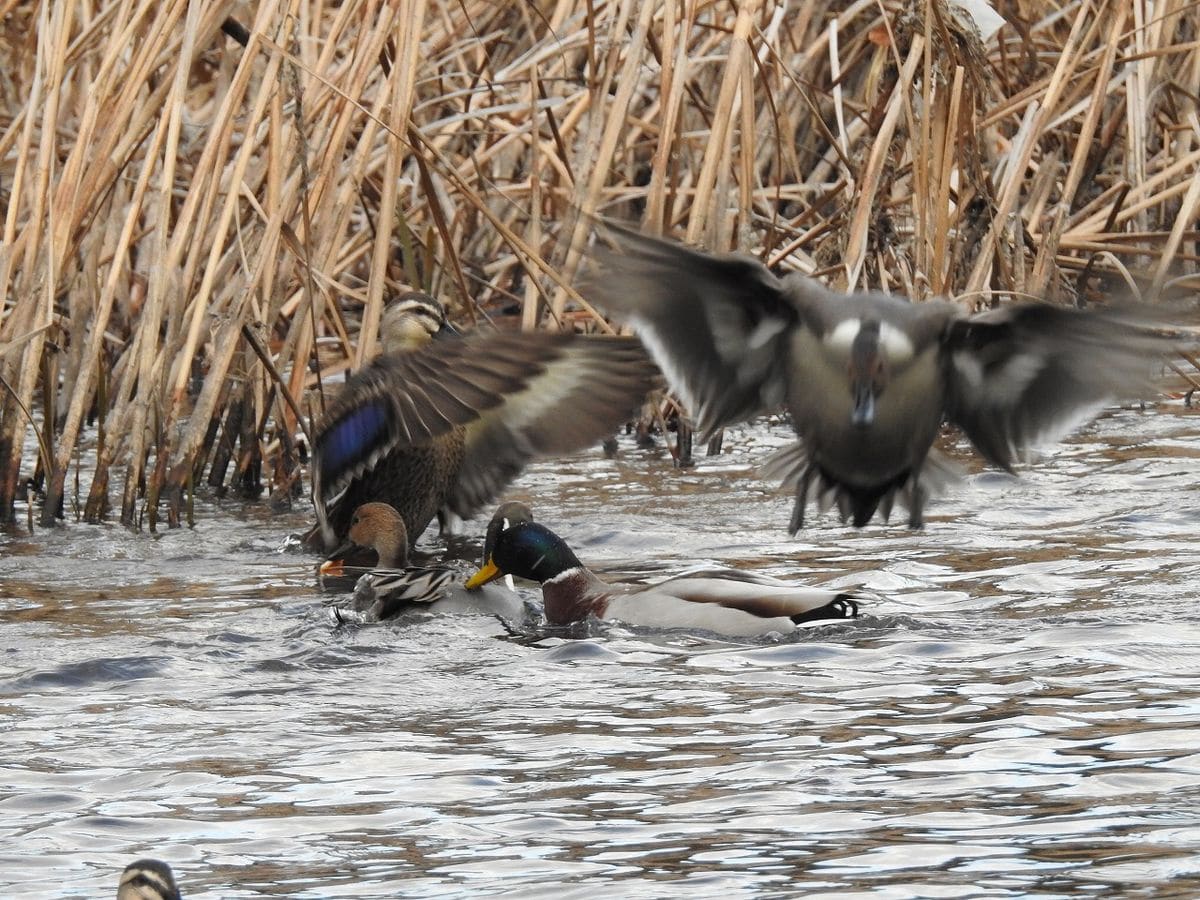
(1016, 717)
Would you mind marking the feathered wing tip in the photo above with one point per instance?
(147, 879)
(792, 467)
(764, 599)
(410, 398)
(393, 593)
(716, 324)
(1027, 374)
(587, 387)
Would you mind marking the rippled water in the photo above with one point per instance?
(1018, 716)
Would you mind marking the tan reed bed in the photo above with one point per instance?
(196, 232)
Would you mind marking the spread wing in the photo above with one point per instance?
(717, 325)
(586, 388)
(1029, 373)
(407, 399)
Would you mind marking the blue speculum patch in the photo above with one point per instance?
(354, 436)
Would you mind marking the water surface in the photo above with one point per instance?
(1017, 717)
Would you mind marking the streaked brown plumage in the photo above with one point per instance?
(438, 428)
(395, 587)
(147, 879)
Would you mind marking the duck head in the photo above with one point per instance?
(411, 321)
(506, 516)
(867, 373)
(526, 550)
(375, 526)
(872, 348)
(147, 879)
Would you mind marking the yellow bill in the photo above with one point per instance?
(488, 573)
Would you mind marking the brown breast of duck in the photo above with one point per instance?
(415, 481)
(573, 596)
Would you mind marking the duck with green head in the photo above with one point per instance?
(726, 601)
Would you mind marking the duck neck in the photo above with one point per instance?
(393, 551)
(574, 594)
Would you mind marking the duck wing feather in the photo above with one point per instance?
(718, 326)
(586, 388)
(759, 595)
(409, 398)
(1029, 373)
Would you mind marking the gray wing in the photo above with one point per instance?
(587, 388)
(407, 399)
(1029, 373)
(717, 325)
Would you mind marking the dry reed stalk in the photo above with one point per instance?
(199, 229)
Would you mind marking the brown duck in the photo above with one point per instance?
(147, 879)
(440, 427)
(396, 587)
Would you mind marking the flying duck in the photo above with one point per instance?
(868, 378)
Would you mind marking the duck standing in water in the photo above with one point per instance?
(440, 427)
(868, 378)
(396, 588)
(147, 879)
(725, 601)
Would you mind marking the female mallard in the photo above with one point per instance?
(147, 879)
(440, 427)
(868, 378)
(396, 588)
(721, 600)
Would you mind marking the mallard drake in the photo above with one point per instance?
(725, 601)
(868, 378)
(396, 588)
(147, 879)
(440, 427)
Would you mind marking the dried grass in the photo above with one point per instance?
(195, 232)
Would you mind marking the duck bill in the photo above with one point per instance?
(332, 568)
(863, 413)
(335, 563)
(488, 573)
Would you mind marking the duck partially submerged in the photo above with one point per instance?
(869, 378)
(725, 601)
(147, 879)
(395, 588)
(438, 428)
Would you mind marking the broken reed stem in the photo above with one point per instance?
(173, 193)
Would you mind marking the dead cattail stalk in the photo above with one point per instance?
(205, 216)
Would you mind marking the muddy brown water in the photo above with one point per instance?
(1017, 717)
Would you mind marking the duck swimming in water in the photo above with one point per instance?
(439, 427)
(147, 879)
(725, 601)
(395, 588)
